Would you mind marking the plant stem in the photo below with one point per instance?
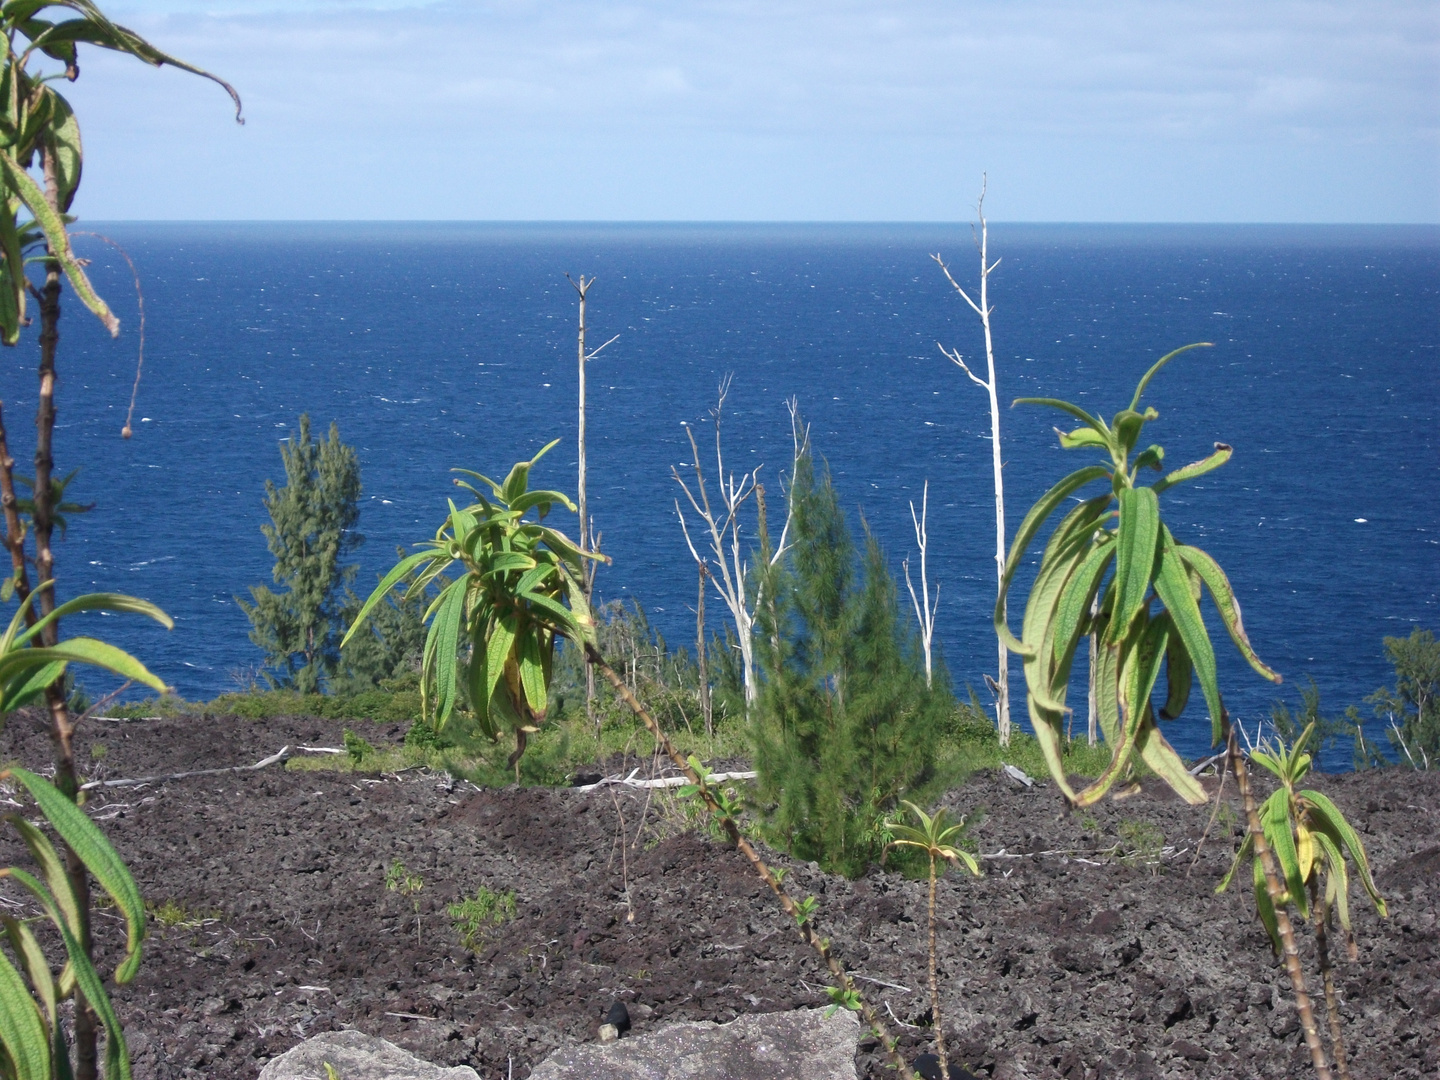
(1332, 1002)
(1279, 901)
(14, 527)
(732, 831)
(935, 983)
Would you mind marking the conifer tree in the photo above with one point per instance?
(846, 726)
(313, 521)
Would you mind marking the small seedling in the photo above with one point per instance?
(98, 751)
(1143, 842)
(476, 917)
(1310, 840)
(398, 879)
(939, 840)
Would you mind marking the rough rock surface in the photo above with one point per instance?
(356, 1056)
(1072, 957)
(802, 1045)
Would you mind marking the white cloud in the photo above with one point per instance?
(734, 108)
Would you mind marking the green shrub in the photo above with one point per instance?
(1411, 707)
(845, 726)
(476, 917)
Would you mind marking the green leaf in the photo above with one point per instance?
(1328, 819)
(396, 574)
(97, 29)
(1080, 414)
(81, 650)
(1219, 585)
(1129, 715)
(53, 226)
(1195, 468)
(1074, 606)
(1264, 907)
(1136, 544)
(1155, 368)
(542, 498)
(502, 640)
(22, 1029)
(446, 629)
(27, 687)
(37, 968)
(116, 602)
(1082, 437)
(476, 671)
(1245, 847)
(63, 140)
(1179, 674)
(1045, 724)
(1026, 533)
(1157, 753)
(1172, 585)
(51, 865)
(1275, 819)
(107, 868)
(532, 673)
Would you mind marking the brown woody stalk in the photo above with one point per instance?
(732, 831)
(62, 728)
(1332, 1001)
(14, 527)
(1278, 901)
(935, 984)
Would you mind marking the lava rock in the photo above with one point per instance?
(801, 1045)
(357, 1056)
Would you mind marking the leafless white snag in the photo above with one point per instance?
(924, 609)
(725, 563)
(983, 309)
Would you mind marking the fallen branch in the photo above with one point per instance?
(664, 781)
(280, 757)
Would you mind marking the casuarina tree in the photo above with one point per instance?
(313, 521)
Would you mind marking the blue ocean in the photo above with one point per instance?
(453, 345)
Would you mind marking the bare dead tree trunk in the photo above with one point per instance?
(983, 309)
(701, 667)
(924, 610)
(1278, 900)
(582, 286)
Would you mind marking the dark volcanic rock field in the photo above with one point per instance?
(1064, 960)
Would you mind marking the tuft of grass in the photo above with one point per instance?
(171, 914)
(1141, 843)
(477, 917)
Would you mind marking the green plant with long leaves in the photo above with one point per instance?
(938, 839)
(502, 587)
(1313, 848)
(41, 159)
(31, 993)
(1115, 546)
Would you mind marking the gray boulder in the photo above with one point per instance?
(356, 1056)
(802, 1045)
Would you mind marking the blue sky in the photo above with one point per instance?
(1133, 110)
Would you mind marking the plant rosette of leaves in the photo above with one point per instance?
(1148, 613)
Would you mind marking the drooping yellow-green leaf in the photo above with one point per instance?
(23, 1032)
(87, 841)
